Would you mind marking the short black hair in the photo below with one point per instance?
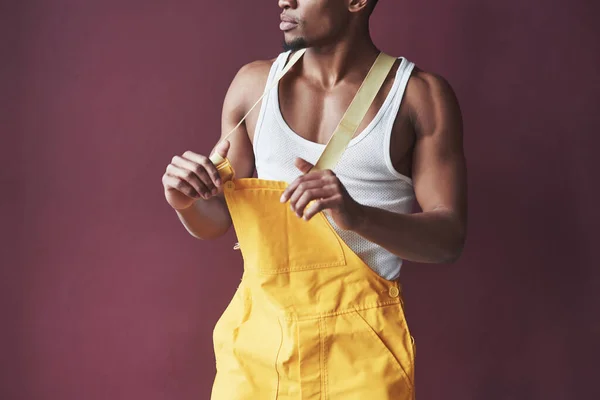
(373, 4)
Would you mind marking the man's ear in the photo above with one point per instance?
(357, 5)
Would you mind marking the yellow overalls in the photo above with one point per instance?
(309, 320)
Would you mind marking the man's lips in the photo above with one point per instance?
(287, 23)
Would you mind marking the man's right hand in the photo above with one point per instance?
(192, 176)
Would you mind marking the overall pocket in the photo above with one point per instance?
(273, 239)
(366, 356)
(388, 328)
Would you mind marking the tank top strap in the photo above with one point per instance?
(277, 66)
(402, 75)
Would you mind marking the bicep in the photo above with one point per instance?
(240, 152)
(439, 165)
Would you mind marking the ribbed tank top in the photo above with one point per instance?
(365, 169)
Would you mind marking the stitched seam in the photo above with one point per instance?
(323, 362)
(300, 268)
(334, 233)
(277, 361)
(341, 312)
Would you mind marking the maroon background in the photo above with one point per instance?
(103, 293)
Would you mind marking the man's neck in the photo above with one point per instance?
(346, 59)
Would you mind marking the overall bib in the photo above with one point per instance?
(309, 320)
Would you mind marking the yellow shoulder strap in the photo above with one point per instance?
(355, 113)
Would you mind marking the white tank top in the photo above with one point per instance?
(365, 169)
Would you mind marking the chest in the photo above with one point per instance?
(313, 113)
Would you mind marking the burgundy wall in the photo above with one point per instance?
(103, 293)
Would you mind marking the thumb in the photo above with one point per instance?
(221, 150)
(303, 165)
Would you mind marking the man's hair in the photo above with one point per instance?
(372, 5)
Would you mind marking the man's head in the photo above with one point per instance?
(308, 23)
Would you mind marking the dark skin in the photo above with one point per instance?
(426, 145)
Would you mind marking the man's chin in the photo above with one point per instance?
(294, 44)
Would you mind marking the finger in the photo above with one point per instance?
(319, 205)
(199, 169)
(220, 152)
(322, 179)
(194, 172)
(303, 165)
(223, 148)
(301, 188)
(292, 186)
(207, 165)
(190, 178)
(173, 182)
(308, 196)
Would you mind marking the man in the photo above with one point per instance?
(319, 313)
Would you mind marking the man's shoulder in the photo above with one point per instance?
(430, 98)
(256, 69)
(251, 78)
(425, 84)
(428, 89)
(248, 83)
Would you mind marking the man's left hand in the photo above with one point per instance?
(324, 191)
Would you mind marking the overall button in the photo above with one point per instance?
(394, 291)
(229, 185)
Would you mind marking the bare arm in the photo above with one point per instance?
(208, 217)
(437, 234)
